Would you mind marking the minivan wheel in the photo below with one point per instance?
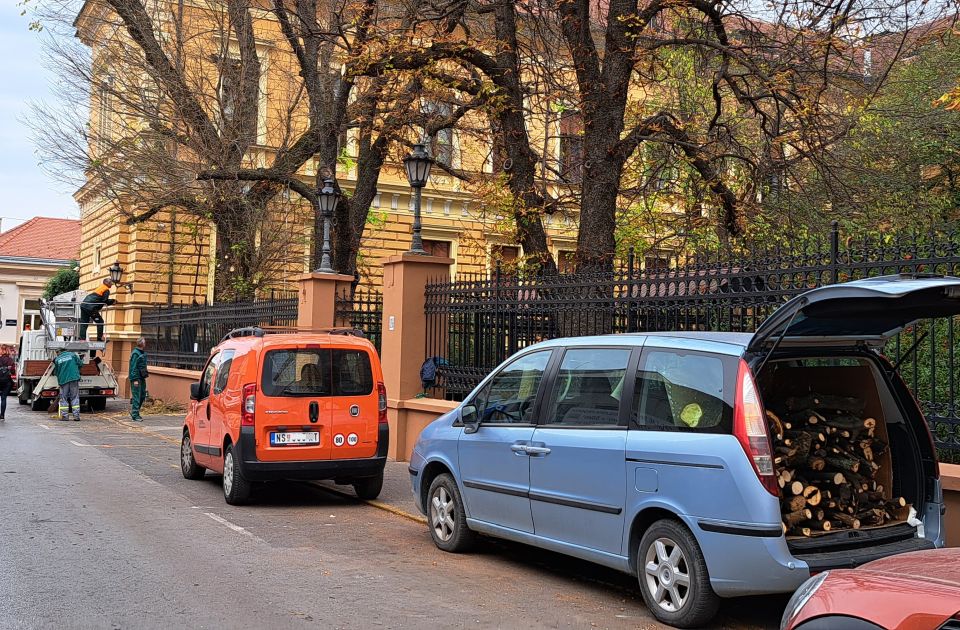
(236, 489)
(188, 465)
(446, 517)
(673, 576)
(368, 488)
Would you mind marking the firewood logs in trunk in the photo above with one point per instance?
(825, 458)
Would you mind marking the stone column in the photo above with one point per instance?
(403, 348)
(318, 293)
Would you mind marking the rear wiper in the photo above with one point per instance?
(903, 357)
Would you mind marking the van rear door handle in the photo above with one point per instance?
(537, 450)
(314, 411)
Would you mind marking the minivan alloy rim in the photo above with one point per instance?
(442, 514)
(228, 474)
(186, 453)
(666, 574)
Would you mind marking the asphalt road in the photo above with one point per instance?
(98, 529)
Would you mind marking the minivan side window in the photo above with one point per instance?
(207, 377)
(223, 371)
(588, 388)
(510, 396)
(684, 391)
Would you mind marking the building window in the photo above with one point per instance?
(662, 167)
(231, 93)
(656, 263)
(441, 249)
(566, 261)
(31, 315)
(506, 256)
(104, 113)
(97, 258)
(441, 143)
(571, 147)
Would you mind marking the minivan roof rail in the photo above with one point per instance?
(260, 331)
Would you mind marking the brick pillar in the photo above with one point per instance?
(318, 292)
(403, 347)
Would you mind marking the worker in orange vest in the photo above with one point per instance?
(91, 306)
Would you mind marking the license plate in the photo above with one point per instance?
(304, 437)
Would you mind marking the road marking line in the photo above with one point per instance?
(44, 426)
(75, 443)
(232, 526)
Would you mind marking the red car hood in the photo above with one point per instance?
(912, 591)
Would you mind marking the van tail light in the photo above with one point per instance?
(382, 403)
(249, 404)
(750, 428)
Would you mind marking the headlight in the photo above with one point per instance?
(801, 597)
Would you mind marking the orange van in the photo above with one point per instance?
(288, 406)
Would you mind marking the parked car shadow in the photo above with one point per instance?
(743, 612)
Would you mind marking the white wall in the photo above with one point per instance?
(9, 309)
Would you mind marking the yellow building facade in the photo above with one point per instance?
(168, 258)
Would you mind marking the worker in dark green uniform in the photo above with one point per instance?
(138, 379)
(66, 367)
(91, 306)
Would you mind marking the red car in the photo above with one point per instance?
(910, 591)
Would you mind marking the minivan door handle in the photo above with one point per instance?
(314, 411)
(519, 448)
(537, 450)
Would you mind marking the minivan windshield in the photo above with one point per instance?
(316, 372)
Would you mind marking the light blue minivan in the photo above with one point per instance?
(651, 453)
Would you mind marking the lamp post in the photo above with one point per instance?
(116, 272)
(417, 165)
(328, 199)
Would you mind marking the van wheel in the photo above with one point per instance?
(368, 488)
(40, 404)
(24, 396)
(98, 404)
(236, 489)
(673, 576)
(188, 465)
(446, 517)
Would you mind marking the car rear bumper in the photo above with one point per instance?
(253, 469)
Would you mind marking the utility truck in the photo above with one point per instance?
(36, 384)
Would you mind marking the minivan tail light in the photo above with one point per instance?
(750, 428)
(249, 409)
(382, 403)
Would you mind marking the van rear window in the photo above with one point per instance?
(302, 372)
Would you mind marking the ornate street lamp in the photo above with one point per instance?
(116, 272)
(418, 165)
(328, 199)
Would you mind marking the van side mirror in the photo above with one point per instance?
(194, 391)
(470, 418)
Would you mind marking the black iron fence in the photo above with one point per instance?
(476, 322)
(363, 310)
(182, 336)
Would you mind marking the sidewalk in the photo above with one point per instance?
(396, 496)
